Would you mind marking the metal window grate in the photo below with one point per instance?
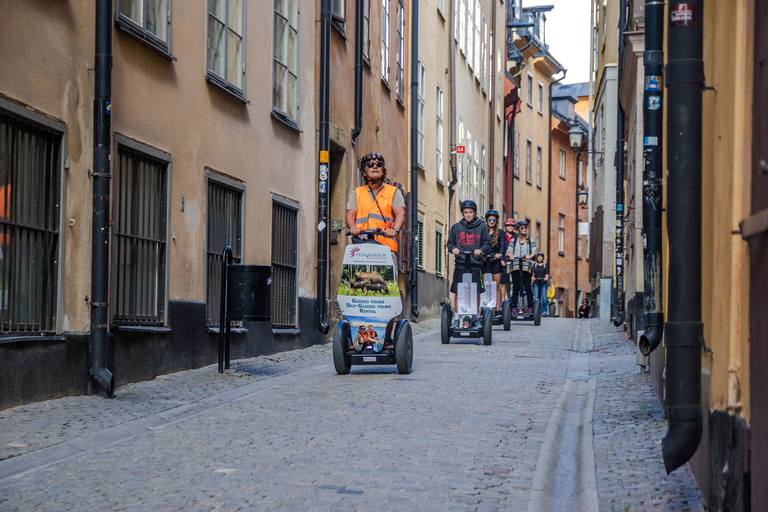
(438, 252)
(224, 227)
(284, 264)
(139, 239)
(420, 237)
(30, 159)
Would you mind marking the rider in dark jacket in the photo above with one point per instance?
(469, 234)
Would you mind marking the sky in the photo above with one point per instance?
(568, 34)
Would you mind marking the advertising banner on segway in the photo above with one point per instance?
(488, 297)
(368, 294)
(467, 298)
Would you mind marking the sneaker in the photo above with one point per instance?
(545, 314)
(498, 314)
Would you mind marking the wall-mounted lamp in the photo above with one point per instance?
(583, 196)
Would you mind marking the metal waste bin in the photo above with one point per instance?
(249, 295)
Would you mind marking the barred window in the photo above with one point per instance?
(285, 260)
(223, 227)
(139, 237)
(226, 45)
(420, 237)
(439, 252)
(30, 189)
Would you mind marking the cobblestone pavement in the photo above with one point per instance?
(462, 432)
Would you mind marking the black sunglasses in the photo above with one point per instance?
(375, 164)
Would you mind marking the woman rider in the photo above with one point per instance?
(498, 248)
(508, 236)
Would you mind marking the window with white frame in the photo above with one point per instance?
(528, 156)
(439, 251)
(529, 90)
(285, 60)
(463, 26)
(367, 31)
(498, 185)
(538, 235)
(338, 9)
(469, 165)
(516, 170)
(470, 35)
(540, 99)
(477, 172)
(226, 45)
(483, 191)
(477, 44)
(578, 247)
(499, 85)
(561, 234)
(460, 142)
(538, 166)
(400, 85)
(385, 41)
(421, 113)
(489, 67)
(441, 7)
(484, 56)
(420, 241)
(562, 164)
(456, 21)
(439, 133)
(149, 20)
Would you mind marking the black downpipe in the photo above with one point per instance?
(653, 121)
(102, 104)
(321, 305)
(453, 115)
(511, 166)
(359, 20)
(549, 161)
(684, 330)
(414, 159)
(619, 319)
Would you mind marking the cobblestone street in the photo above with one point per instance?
(472, 428)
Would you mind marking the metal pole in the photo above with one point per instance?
(102, 109)
(321, 305)
(414, 158)
(619, 319)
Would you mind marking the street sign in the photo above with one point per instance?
(461, 149)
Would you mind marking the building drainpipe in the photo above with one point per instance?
(414, 159)
(452, 85)
(684, 329)
(549, 163)
(492, 130)
(619, 319)
(102, 105)
(359, 20)
(321, 304)
(653, 125)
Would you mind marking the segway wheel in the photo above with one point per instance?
(536, 313)
(404, 349)
(445, 326)
(487, 326)
(341, 341)
(506, 314)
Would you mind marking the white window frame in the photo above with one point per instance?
(223, 80)
(367, 31)
(400, 78)
(439, 133)
(460, 162)
(484, 57)
(463, 27)
(529, 161)
(516, 169)
(561, 234)
(529, 91)
(540, 99)
(421, 113)
(483, 191)
(539, 164)
(283, 112)
(140, 28)
(477, 43)
(385, 8)
(441, 8)
(338, 10)
(562, 164)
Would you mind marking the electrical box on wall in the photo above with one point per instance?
(336, 225)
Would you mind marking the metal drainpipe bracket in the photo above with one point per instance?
(705, 347)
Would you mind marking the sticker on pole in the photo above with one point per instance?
(654, 102)
(461, 149)
(653, 83)
(650, 141)
(682, 14)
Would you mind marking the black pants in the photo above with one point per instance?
(517, 290)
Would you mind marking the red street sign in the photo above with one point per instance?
(460, 149)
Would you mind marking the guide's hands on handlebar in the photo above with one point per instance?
(356, 231)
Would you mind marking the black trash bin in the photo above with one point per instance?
(249, 295)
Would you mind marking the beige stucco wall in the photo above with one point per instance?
(167, 105)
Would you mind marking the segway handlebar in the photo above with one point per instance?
(371, 232)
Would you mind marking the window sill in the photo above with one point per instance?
(287, 121)
(339, 26)
(141, 328)
(538, 186)
(235, 330)
(287, 331)
(400, 102)
(561, 253)
(516, 176)
(562, 178)
(138, 35)
(441, 14)
(211, 79)
(367, 61)
(385, 83)
(22, 337)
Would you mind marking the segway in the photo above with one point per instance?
(474, 322)
(369, 297)
(524, 316)
(488, 297)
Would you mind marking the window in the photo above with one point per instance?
(578, 247)
(420, 115)
(476, 191)
(469, 166)
(439, 134)
(498, 187)
(561, 234)
(139, 234)
(400, 85)
(489, 68)
(385, 41)
(484, 57)
(562, 164)
(477, 43)
(285, 260)
(338, 9)
(456, 31)
(30, 199)
(439, 252)
(528, 151)
(285, 63)
(529, 90)
(420, 238)
(441, 7)
(538, 235)
(367, 31)
(538, 166)
(499, 84)
(579, 176)
(148, 20)
(516, 169)
(223, 227)
(483, 192)
(463, 27)
(226, 45)
(540, 98)
(461, 161)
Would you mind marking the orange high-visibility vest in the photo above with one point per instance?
(377, 214)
